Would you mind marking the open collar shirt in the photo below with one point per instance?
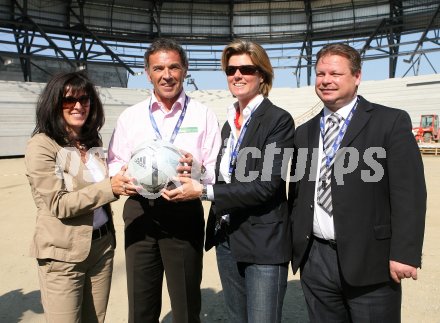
(247, 112)
(226, 158)
(199, 133)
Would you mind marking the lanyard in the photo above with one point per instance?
(178, 124)
(234, 150)
(329, 157)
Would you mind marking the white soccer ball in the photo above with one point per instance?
(152, 167)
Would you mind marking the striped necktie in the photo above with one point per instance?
(324, 186)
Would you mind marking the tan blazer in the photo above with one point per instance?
(65, 196)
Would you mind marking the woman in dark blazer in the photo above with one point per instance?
(248, 220)
(74, 237)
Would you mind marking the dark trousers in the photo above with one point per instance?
(166, 237)
(330, 299)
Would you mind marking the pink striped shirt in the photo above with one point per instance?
(199, 133)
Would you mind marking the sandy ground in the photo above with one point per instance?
(20, 295)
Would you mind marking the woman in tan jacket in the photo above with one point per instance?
(74, 238)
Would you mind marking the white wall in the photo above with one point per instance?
(417, 95)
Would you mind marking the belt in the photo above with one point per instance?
(153, 202)
(157, 201)
(161, 201)
(100, 232)
(330, 242)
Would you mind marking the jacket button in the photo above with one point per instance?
(311, 206)
(307, 237)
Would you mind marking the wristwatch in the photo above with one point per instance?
(204, 196)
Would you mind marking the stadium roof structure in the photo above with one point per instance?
(118, 31)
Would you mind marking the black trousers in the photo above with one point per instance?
(163, 238)
(330, 299)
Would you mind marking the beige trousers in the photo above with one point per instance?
(77, 292)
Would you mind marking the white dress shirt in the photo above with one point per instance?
(323, 226)
(224, 163)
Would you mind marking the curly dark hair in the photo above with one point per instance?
(49, 112)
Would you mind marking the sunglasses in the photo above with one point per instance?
(244, 70)
(70, 101)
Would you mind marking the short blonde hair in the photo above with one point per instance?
(258, 56)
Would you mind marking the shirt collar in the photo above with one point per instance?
(343, 112)
(249, 109)
(178, 105)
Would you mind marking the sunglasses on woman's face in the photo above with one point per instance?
(70, 101)
(244, 70)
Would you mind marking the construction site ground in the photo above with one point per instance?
(20, 295)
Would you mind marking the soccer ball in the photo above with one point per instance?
(152, 167)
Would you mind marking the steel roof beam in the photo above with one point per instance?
(425, 32)
(25, 16)
(101, 43)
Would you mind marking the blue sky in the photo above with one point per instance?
(284, 77)
(371, 70)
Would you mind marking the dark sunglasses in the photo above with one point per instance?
(244, 70)
(70, 101)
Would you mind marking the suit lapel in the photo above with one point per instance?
(226, 130)
(313, 144)
(314, 132)
(250, 134)
(358, 122)
(254, 124)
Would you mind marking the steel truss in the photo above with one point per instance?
(75, 40)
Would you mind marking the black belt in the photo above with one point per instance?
(100, 232)
(330, 242)
(153, 202)
(158, 201)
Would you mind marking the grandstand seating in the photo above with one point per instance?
(417, 95)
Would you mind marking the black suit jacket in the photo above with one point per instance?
(374, 220)
(259, 229)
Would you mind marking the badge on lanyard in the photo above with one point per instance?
(234, 150)
(337, 143)
(178, 124)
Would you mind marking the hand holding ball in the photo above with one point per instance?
(153, 166)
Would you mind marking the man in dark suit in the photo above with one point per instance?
(359, 210)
